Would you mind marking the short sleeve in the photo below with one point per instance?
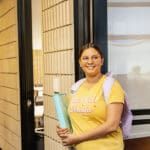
(66, 99)
(117, 94)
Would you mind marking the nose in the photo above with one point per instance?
(90, 60)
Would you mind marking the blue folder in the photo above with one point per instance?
(61, 110)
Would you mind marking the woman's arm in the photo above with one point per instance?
(114, 112)
(113, 120)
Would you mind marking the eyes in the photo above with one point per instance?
(93, 58)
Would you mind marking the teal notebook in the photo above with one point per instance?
(61, 110)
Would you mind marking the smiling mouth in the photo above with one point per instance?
(90, 67)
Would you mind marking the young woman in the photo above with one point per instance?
(95, 124)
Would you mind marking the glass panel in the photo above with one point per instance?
(125, 1)
(38, 73)
(129, 51)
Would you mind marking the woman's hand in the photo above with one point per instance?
(66, 136)
(61, 131)
(70, 139)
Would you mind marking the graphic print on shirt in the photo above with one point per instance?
(84, 105)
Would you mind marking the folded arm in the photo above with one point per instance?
(111, 124)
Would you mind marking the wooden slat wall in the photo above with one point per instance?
(38, 67)
(10, 134)
(57, 33)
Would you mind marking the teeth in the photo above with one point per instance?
(90, 67)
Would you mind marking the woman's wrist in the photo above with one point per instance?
(80, 138)
(77, 139)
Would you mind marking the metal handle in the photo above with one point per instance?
(29, 103)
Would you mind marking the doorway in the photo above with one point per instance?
(38, 73)
(26, 74)
(30, 91)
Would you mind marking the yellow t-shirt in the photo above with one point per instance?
(87, 110)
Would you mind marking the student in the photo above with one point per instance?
(95, 124)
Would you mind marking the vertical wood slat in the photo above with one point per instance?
(58, 54)
(8, 20)
(8, 35)
(10, 126)
(9, 80)
(6, 5)
(9, 65)
(8, 51)
(38, 66)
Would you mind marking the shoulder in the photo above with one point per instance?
(117, 85)
(76, 85)
(117, 93)
(109, 80)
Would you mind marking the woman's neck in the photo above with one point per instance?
(92, 80)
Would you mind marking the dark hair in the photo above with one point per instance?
(90, 45)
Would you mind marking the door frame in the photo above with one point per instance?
(81, 31)
(26, 74)
(90, 26)
(100, 33)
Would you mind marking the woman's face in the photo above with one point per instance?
(91, 62)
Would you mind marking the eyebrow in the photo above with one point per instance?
(91, 56)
